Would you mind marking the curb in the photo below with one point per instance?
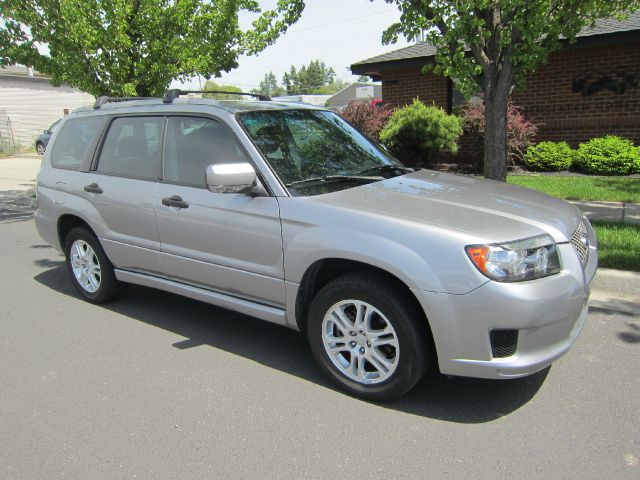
(616, 291)
(613, 302)
(621, 282)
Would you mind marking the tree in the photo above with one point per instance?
(135, 47)
(269, 86)
(309, 79)
(490, 45)
(211, 85)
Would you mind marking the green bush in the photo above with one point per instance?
(608, 155)
(416, 133)
(549, 157)
(636, 161)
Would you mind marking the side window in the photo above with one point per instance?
(72, 142)
(131, 148)
(194, 143)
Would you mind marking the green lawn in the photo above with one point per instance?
(618, 245)
(611, 189)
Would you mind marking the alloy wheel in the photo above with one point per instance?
(85, 266)
(360, 341)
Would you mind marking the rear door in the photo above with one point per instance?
(227, 242)
(121, 187)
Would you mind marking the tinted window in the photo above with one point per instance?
(132, 147)
(305, 144)
(193, 144)
(73, 141)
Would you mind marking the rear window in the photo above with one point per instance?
(72, 142)
(131, 148)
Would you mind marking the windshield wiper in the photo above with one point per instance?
(326, 178)
(382, 169)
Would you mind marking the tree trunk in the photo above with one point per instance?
(495, 136)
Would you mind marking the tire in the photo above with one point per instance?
(401, 357)
(40, 148)
(90, 270)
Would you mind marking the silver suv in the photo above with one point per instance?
(287, 213)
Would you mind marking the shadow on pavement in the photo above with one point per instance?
(633, 335)
(453, 399)
(16, 205)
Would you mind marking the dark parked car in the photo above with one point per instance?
(43, 139)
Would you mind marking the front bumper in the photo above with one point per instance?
(549, 314)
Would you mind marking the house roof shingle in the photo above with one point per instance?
(603, 26)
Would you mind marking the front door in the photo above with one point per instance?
(230, 243)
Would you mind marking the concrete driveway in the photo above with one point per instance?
(157, 386)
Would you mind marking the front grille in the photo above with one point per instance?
(503, 342)
(580, 242)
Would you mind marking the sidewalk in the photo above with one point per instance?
(623, 212)
(19, 172)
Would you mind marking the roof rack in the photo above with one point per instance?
(172, 94)
(102, 100)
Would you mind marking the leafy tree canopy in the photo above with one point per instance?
(269, 86)
(211, 85)
(315, 78)
(491, 44)
(135, 47)
(308, 79)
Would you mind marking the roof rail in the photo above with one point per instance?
(106, 99)
(172, 94)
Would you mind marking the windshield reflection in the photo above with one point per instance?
(311, 144)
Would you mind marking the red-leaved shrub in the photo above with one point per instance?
(369, 119)
(520, 132)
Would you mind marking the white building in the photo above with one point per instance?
(29, 104)
(317, 100)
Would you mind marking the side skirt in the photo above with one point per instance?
(263, 312)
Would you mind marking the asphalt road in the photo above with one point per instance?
(157, 386)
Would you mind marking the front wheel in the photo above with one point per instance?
(89, 268)
(369, 336)
(40, 148)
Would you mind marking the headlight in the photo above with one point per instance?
(526, 259)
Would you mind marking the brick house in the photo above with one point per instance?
(588, 88)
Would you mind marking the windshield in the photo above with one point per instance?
(315, 151)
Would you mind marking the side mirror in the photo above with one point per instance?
(231, 177)
(47, 132)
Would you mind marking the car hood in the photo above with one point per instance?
(493, 211)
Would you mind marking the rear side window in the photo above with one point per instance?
(194, 143)
(132, 148)
(72, 142)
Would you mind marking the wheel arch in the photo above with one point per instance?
(68, 222)
(322, 271)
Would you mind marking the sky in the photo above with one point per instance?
(337, 32)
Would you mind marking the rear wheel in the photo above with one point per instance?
(89, 268)
(369, 336)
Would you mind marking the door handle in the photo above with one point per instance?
(175, 201)
(93, 188)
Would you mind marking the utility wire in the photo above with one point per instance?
(357, 19)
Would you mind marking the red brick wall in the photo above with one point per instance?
(400, 87)
(548, 98)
